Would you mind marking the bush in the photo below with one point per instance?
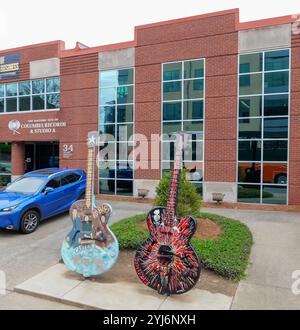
(188, 201)
(253, 193)
(227, 256)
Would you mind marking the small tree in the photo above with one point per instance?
(188, 199)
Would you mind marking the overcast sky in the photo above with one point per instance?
(96, 22)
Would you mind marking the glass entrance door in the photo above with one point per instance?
(5, 164)
(39, 155)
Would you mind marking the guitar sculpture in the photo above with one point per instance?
(167, 262)
(90, 248)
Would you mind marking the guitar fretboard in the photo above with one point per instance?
(90, 179)
(175, 180)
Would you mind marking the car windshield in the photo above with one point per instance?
(26, 185)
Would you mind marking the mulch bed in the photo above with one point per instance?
(206, 229)
(124, 271)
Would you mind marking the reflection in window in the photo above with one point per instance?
(53, 85)
(24, 88)
(24, 103)
(251, 63)
(183, 110)
(193, 110)
(12, 89)
(274, 195)
(29, 95)
(193, 89)
(278, 60)
(250, 128)
(275, 173)
(2, 105)
(275, 151)
(276, 128)
(276, 105)
(193, 69)
(5, 164)
(251, 84)
(263, 158)
(53, 101)
(172, 91)
(277, 82)
(116, 118)
(249, 172)
(249, 194)
(250, 106)
(172, 71)
(38, 102)
(11, 104)
(250, 150)
(38, 86)
(172, 111)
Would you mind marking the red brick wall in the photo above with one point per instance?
(17, 157)
(216, 40)
(79, 106)
(294, 170)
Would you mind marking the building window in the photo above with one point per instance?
(5, 163)
(263, 124)
(183, 91)
(30, 95)
(116, 119)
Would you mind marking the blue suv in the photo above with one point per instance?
(39, 195)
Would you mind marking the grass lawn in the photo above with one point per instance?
(228, 255)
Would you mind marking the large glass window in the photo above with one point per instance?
(30, 95)
(183, 103)
(5, 163)
(264, 87)
(116, 117)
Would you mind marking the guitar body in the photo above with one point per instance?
(166, 261)
(90, 248)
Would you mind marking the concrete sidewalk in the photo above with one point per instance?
(63, 286)
(274, 258)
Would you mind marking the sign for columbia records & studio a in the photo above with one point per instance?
(36, 126)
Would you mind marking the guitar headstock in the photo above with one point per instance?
(93, 139)
(182, 141)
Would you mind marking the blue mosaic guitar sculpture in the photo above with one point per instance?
(90, 248)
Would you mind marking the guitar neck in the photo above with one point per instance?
(89, 194)
(175, 181)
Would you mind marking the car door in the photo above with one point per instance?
(53, 202)
(70, 183)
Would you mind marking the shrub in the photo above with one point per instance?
(253, 193)
(188, 201)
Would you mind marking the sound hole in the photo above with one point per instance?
(165, 255)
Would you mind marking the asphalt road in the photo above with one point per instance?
(23, 256)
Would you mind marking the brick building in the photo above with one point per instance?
(234, 85)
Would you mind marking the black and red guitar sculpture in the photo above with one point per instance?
(166, 261)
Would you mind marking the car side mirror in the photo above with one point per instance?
(48, 190)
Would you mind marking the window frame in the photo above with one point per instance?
(263, 117)
(182, 122)
(31, 95)
(116, 124)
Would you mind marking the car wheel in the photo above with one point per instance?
(29, 222)
(281, 179)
